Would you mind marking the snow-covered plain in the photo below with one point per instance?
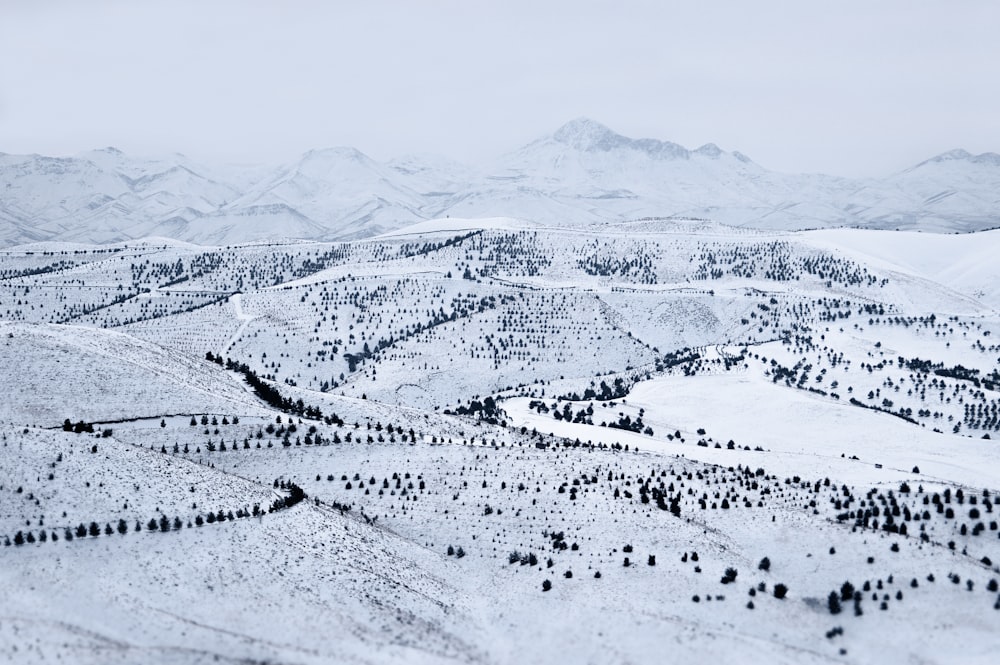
(515, 441)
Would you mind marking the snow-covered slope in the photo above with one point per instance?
(966, 263)
(104, 195)
(582, 173)
(63, 372)
(506, 440)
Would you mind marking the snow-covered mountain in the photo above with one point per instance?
(581, 173)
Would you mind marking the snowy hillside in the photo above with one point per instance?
(499, 440)
(583, 173)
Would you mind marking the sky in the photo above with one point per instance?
(853, 88)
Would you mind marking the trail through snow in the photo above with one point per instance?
(243, 318)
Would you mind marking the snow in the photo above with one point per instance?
(801, 433)
(582, 173)
(110, 376)
(800, 388)
(966, 263)
(457, 224)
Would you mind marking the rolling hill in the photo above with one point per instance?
(487, 440)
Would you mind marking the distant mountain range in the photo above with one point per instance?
(582, 173)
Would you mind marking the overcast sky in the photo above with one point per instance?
(852, 88)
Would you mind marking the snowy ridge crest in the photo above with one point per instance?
(583, 173)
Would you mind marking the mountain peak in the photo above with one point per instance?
(335, 152)
(959, 155)
(709, 150)
(586, 134)
(951, 155)
(326, 160)
(102, 154)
